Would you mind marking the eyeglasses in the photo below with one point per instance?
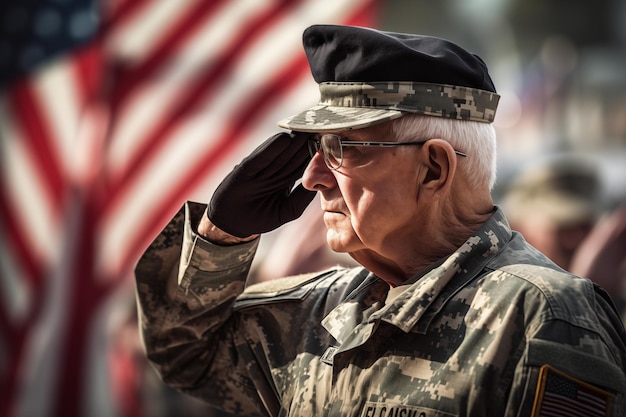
(332, 148)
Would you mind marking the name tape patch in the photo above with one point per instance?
(377, 409)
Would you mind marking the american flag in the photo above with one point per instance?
(564, 396)
(112, 113)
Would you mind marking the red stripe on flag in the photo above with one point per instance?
(88, 69)
(35, 128)
(87, 292)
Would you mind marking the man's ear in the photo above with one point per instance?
(440, 161)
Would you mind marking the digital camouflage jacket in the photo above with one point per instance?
(495, 329)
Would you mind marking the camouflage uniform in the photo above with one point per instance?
(466, 338)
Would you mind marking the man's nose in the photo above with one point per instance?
(317, 176)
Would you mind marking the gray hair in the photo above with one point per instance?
(476, 139)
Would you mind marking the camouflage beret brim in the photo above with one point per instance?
(355, 105)
(324, 118)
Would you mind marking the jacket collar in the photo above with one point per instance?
(433, 288)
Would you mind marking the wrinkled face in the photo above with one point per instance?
(372, 199)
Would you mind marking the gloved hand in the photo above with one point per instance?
(258, 195)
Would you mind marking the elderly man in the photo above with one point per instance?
(451, 313)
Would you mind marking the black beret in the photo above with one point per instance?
(367, 76)
(345, 53)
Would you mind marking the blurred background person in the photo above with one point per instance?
(555, 205)
(601, 257)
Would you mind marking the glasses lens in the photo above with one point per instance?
(331, 146)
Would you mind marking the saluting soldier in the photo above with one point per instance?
(450, 313)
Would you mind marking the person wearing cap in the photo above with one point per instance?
(555, 205)
(451, 313)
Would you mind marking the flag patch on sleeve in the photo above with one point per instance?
(559, 394)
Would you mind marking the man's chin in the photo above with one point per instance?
(342, 242)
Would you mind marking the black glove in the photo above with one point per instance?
(259, 194)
